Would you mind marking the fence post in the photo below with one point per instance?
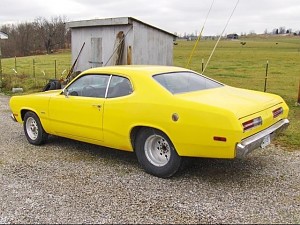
(299, 94)
(55, 68)
(0, 74)
(266, 77)
(16, 63)
(33, 70)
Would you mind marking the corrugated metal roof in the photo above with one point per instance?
(110, 22)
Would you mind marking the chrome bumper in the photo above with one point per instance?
(13, 117)
(255, 141)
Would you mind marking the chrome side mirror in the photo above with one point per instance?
(66, 92)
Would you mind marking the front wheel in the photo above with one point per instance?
(33, 129)
(156, 153)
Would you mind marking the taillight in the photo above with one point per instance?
(277, 112)
(250, 124)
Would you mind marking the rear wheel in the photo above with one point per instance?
(156, 153)
(33, 129)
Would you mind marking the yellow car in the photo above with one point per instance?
(161, 113)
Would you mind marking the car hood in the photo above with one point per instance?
(241, 102)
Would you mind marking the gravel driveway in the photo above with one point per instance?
(66, 181)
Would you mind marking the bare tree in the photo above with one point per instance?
(24, 38)
(32, 38)
(52, 33)
(282, 30)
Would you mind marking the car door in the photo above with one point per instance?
(119, 113)
(77, 113)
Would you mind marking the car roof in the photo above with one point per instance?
(147, 70)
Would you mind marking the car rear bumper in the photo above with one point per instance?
(255, 141)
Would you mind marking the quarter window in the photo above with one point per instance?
(119, 86)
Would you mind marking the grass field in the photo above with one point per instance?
(233, 64)
(32, 73)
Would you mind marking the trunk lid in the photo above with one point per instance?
(241, 102)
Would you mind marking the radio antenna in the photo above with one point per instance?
(221, 35)
(200, 35)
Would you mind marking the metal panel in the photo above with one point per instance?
(108, 35)
(151, 46)
(111, 22)
(144, 44)
(99, 22)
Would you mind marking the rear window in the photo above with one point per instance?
(181, 82)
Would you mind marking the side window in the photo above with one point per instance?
(91, 85)
(119, 86)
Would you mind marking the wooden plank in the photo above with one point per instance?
(129, 55)
(118, 48)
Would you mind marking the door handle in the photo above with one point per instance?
(97, 106)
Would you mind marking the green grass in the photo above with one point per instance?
(233, 64)
(35, 71)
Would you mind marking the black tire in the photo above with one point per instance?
(52, 85)
(156, 153)
(33, 129)
(47, 87)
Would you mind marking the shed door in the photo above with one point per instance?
(96, 52)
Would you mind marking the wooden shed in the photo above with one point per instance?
(119, 41)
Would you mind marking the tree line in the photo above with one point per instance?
(283, 30)
(38, 37)
(275, 31)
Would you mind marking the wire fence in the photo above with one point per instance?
(32, 72)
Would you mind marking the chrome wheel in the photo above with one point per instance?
(157, 150)
(156, 153)
(32, 128)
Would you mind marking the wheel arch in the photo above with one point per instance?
(24, 111)
(136, 129)
(42, 121)
(157, 156)
(33, 128)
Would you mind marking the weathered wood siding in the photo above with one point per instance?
(89, 56)
(144, 44)
(151, 46)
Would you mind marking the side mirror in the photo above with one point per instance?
(66, 93)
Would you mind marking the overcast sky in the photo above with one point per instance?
(171, 15)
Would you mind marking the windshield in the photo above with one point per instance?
(180, 82)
